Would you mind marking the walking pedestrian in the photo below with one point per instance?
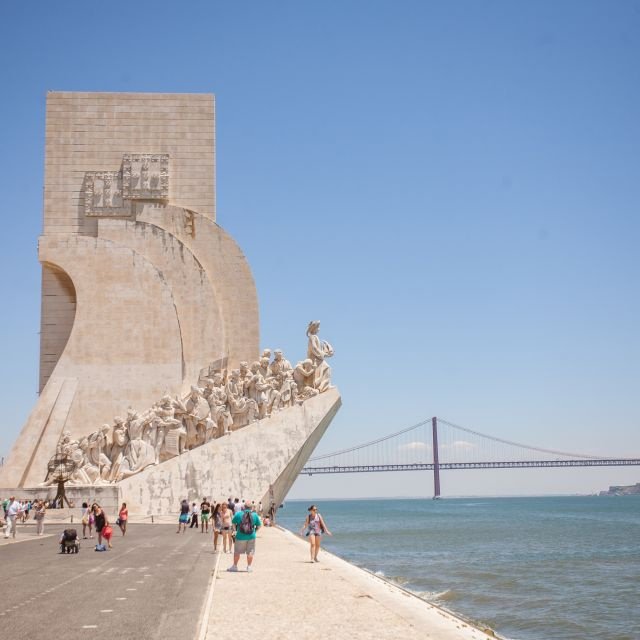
(103, 528)
(13, 511)
(226, 516)
(123, 517)
(247, 522)
(205, 512)
(314, 528)
(217, 524)
(184, 516)
(38, 514)
(194, 515)
(87, 520)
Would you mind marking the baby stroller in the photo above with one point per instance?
(69, 542)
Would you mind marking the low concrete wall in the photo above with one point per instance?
(107, 497)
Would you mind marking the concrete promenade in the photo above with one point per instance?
(155, 584)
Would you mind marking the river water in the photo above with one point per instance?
(530, 568)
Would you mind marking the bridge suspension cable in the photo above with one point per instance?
(520, 445)
(372, 442)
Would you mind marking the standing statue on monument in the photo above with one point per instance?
(194, 412)
(98, 450)
(246, 377)
(242, 409)
(280, 364)
(138, 454)
(120, 441)
(170, 434)
(317, 351)
(217, 399)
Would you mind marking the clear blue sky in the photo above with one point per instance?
(452, 188)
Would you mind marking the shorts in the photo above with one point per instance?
(245, 546)
(184, 518)
(204, 517)
(225, 528)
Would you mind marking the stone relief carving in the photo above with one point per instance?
(143, 176)
(228, 402)
(103, 194)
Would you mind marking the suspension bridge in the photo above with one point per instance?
(435, 444)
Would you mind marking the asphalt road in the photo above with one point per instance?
(152, 584)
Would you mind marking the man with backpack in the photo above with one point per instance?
(247, 522)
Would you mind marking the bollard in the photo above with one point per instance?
(72, 518)
(151, 518)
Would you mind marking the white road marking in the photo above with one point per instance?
(106, 610)
(89, 626)
(206, 612)
(132, 589)
(120, 598)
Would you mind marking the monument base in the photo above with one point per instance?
(106, 496)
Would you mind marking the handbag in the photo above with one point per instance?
(107, 532)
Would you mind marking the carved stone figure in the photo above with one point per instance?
(220, 413)
(171, 436)
(280, 364)
(246, 377)
(317, 351)
(97, 453)
(262, 392)
(194, 412)
(138, 454)
(304, 374)
(243, 410)
(120, 441)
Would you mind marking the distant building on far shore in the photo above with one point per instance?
(628, 490)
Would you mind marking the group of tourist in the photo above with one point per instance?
(19, 511)
(94, 517)
(228, 400)
(234, 523)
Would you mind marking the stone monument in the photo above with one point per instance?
(149, 310)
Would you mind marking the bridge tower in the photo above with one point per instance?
(436, 464)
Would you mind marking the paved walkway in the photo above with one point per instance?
(151, 585)
(287, 596)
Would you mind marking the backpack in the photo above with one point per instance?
(246, 524)
(70, 535)
(101, 547)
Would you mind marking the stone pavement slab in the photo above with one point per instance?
(287, 596)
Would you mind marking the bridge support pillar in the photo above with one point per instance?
(436, 464)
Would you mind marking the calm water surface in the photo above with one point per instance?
(531, 568)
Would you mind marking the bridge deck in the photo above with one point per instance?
(516, 464)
